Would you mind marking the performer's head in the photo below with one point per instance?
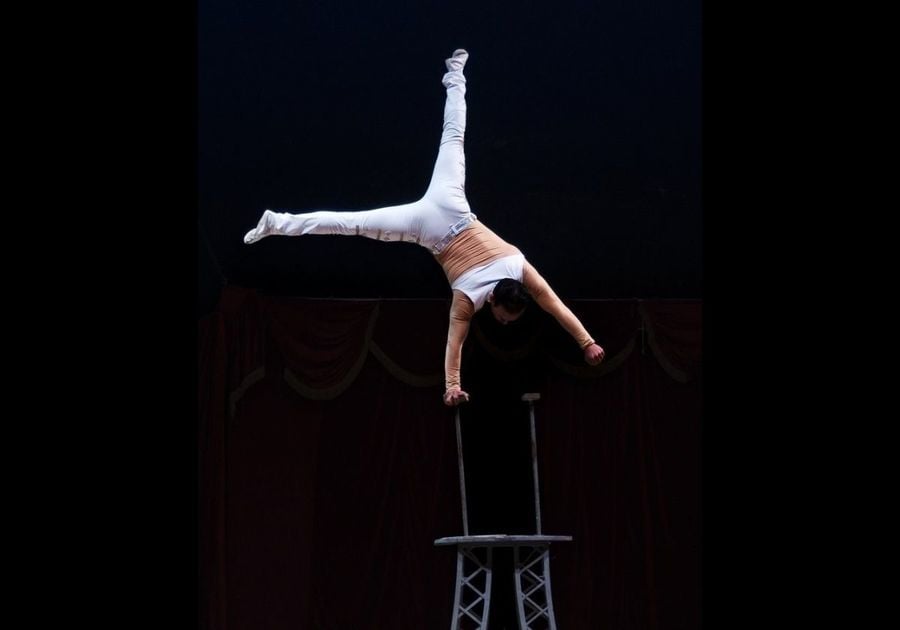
(508, 300)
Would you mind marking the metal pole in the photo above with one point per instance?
(530, 398)
(462, 475)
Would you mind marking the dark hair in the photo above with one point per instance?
(511, 295)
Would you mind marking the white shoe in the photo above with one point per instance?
(457, 61)
(262, 228)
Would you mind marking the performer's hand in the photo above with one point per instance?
(455, 396)
(594, 354)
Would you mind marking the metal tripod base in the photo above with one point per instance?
(474, 566)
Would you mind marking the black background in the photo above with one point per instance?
(583, 142)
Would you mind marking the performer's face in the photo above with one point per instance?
(502, 315)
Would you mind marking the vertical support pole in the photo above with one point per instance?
(462, 475)
(457, 592)
(489, 576)
(548, 592)
(530, 398)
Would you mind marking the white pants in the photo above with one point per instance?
(431, 222)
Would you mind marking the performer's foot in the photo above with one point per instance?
(262, 228)
(457, 61)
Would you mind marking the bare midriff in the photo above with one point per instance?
(473, 247)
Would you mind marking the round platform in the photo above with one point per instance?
(500, 540)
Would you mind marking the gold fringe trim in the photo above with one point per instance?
(677, 374)
(249, 381)
(594, 371)
(330, 393)
(402, 375)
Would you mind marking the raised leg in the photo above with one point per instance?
(448, 180)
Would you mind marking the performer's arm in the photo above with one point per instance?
(548, 300)
(461, 312)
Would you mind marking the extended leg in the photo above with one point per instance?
(392, 223)
(447, 186)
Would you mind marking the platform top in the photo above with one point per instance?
(499, 540)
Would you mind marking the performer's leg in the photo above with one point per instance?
(425, 221)
(447, 186)
(392, 223)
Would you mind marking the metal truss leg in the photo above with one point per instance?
(534, 600)
(472, 599)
